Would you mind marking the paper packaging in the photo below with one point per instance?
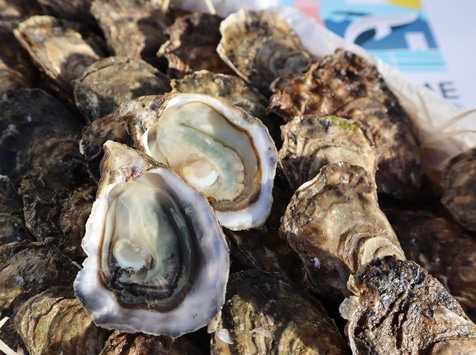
(443, 129)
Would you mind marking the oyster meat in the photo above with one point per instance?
(157, 258)
(216, 147)
(260, 46)
(348, 86)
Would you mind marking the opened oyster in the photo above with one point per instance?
(157, 258)
(213, 145)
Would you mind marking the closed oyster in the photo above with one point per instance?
(335, 224)
(265, 313)
(459, 188)
(157, 258)
(192, 45)
(215, 146)
(111, 81)
(310, 142)
(260, 46)
(348, 86)
(54, 322)
(397, 307)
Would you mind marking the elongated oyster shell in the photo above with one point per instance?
(215, 146)
(260, 46)
(157, 258)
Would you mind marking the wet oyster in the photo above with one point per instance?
(215, 146)
(335, 224)
(157, 258)
(59, 48)
(348, 86)
(192, 45)
(260, 46)
(265, 313)
(310, 142)
(397, 307)
(112, 81)
(133, 28)
(459, 188)
(54, 322)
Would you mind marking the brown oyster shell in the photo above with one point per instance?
(397, 307)
(112, 81)
(348, 86)
(335, 224)
(233, 89)
(265, 313)
(133, 28)
(442, 247)
(54, 322)
(28, 268)
(192, 45)
(78, 10)
(120, 343)
(260, 46)
(310, 142)
(459, 188)
(59, 49)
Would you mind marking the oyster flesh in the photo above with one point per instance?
(157, 258)
(216, 147)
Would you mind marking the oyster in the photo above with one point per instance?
(192, 45)
(459, 188)
(215, 146)
(397, 307)
(310, 142)
(348, 86)
(265, 313)
(335, 224)
(157, 258)
(260, 46)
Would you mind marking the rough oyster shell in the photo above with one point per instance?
(260, 46)
(215, 146)
(157, 258)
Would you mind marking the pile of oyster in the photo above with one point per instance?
(176, 182)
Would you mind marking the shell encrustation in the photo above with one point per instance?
(157, 258)
(215, 146)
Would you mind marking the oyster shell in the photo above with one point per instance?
(265, 313)
(335, 224)
(397, 307)
(260, 46)
(215, 146)
(192, 45)
(348, 86)
(459, 188)
(157, 258)
(310, 142)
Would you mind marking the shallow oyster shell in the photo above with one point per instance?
(260, 46)
(112, 81)
(215, 146)
(459, 188)
(192, 45)
(157, 258)
(310, 142)
(397, 307)
(335, 224)
(348, 86)
(265, 313)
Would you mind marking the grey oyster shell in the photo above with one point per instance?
(335, 224)
(260, 46)
(157, 258)
(216, 147)
(397, 307)
(265, 313)
(459, 188)
(311, 142)
(348, 86)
